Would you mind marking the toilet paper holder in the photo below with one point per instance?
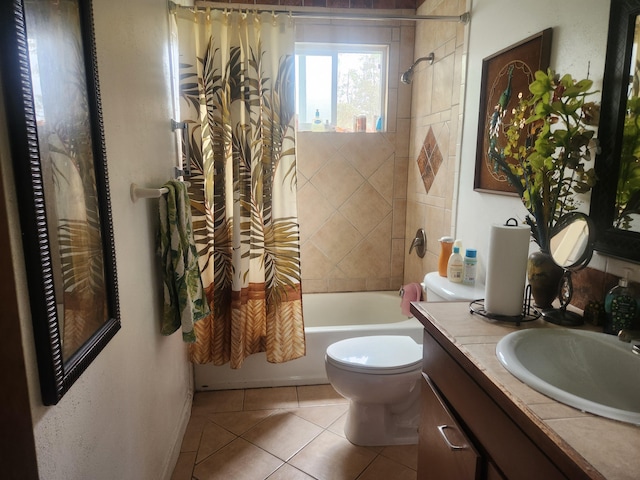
(419, 243)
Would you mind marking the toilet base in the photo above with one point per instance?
(371, 425)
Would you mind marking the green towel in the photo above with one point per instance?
(184, 299)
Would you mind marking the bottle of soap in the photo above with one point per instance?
(317, 125)
(622, 306)
(446, 246)
(455, 266)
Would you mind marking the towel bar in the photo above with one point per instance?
(141, 192)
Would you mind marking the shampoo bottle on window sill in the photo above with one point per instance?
(455, 266)
(622, 306)
(317, 125)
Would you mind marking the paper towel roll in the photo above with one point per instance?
(506, 269)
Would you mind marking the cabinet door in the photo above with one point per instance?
(443, 450)
(493, 473)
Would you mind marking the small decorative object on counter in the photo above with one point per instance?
(446, 245)
(594, 313)
(469, 267)
(455, 266)
(622, 305)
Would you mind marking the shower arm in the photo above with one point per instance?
(430, 58)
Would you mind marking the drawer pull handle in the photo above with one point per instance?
(442, 428)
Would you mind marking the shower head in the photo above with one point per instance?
(408, 75)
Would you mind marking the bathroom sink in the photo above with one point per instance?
(594, 372)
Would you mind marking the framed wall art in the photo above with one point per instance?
(505, 75)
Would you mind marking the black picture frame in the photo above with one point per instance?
(20, 23)
(526, 57)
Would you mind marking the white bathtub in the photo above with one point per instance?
(329, 317)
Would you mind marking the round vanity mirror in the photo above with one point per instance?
(571, 243)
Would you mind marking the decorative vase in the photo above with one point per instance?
(544, 277)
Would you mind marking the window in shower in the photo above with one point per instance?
(341, 87)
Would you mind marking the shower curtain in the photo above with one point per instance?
(236, 84)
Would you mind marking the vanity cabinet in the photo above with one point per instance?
(450, 454)
(505, 442)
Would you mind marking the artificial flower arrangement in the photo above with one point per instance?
(546, 149)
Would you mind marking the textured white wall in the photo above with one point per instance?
(579, 38)
(125, 416)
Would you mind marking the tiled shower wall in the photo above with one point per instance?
(436, 119)
(352, 186)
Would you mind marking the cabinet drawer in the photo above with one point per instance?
(445, 451)
(500, 438)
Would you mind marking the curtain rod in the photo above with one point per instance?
(303, 13)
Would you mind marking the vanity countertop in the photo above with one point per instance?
(609, 447)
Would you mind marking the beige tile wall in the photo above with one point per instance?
(436, 104)
(352, 186)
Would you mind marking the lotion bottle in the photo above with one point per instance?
(469, 267)
(455, 266)
(622, 306)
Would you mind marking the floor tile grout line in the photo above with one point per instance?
(322, 429)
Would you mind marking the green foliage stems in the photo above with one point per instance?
(546, 146)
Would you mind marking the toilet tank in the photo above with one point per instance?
(440, 289)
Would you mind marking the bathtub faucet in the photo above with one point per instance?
(419, 243)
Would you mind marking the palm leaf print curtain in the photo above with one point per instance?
(237, 96)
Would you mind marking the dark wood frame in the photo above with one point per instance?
(56, 374)
(610, 240)
(532, 53)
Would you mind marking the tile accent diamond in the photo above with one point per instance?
(429, 160)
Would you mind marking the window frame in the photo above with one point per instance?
(333, 49)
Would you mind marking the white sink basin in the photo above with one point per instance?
(593, 372)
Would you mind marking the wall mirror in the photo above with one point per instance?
(52, 101)
(615, 200)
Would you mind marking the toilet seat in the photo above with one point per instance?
(376, 355)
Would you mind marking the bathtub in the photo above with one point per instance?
(328, 317)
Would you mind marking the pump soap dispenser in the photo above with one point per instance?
(446, 245)
(622, 306)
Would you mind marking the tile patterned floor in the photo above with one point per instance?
(283, 433)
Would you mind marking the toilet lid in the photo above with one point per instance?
(381, 354)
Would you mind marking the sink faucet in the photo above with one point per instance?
(627, 335)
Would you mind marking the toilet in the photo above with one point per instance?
(380, 376)
(440, 289)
